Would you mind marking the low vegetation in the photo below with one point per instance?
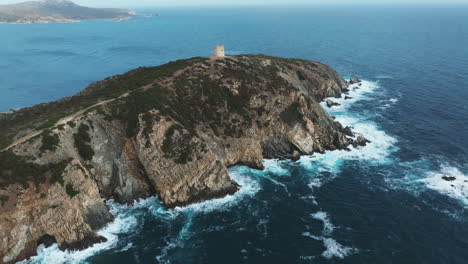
(70, 191)
(17, 169)
(49, 141)
(83, 142)
(4, 199)
(46, 115)
(292, 115)
(217, 94)
(178, 144)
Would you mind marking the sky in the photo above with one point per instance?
(156, 3)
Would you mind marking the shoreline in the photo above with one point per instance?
(118, 19)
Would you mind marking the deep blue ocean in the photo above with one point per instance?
(384, 203)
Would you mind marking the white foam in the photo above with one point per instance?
(275, 166)
(127, 247)
(377, 151)
(383, 76)
(356, 92)
(335, 249)
(164, 252)
(125, 221)
(244, 176)
(328, 227)
(332, 247)
(457, 188)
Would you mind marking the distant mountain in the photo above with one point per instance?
(48, 11)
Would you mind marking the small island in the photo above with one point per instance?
(52, 11)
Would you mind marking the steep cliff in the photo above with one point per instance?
(170, 131)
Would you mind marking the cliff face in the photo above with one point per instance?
(172, 133)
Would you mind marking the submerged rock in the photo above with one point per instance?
(354, 80)
(348, 97)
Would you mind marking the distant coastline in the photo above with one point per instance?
(60, 11)
(46, 21)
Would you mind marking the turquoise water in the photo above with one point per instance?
(384, 203)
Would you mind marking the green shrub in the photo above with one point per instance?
(82, 142)
(180, 148)
(48, 123)
(70, 191)
(291, 115)
(56, 171)
(50, 141)
(301, 75)
(4, 199)
(71, 124)
(16, 169)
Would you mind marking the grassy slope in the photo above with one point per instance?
(46, 115)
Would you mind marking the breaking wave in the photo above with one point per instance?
(127, 218)
(333, 249)
(422, 175)
(377, 152)
(324, 167)
(125, 221)
(328, 227)
(449, 181)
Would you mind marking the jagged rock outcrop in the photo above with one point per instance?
(170, 131)
(354, 80)
(360, 141)
(68, 211)
(331, 103)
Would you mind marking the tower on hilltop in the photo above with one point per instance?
(218, 51)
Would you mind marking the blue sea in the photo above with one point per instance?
(384, 203)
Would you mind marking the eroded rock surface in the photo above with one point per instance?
(170, 131)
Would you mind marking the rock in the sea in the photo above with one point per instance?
(448, 178)
(296, 155)
(348, 131)
(360, 141)
(348, 97)
(331, 103)
(354, 80)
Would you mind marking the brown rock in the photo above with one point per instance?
(174, 137)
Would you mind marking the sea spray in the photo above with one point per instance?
(377, 152)
(328, 227)
(244, 176)
(125, 221)
(449, 181)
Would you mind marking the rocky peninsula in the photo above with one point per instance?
(170, 131)
(50, 11)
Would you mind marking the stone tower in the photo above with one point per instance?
(218, 51)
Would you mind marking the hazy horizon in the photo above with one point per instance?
(191, 3)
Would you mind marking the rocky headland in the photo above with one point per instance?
(170, 131)
(50, 11)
